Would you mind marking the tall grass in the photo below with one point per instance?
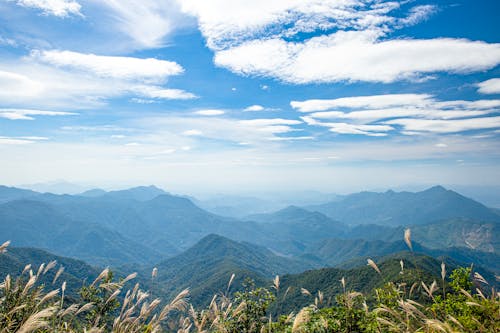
(464, 302)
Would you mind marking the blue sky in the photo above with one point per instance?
(331, 95)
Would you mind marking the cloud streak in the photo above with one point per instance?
(407, 114)
(350, 41)
(59, 8)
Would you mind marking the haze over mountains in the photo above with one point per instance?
(146, 227)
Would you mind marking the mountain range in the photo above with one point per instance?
(146, 225)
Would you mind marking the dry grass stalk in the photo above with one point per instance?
(407, 238)
(373, 265)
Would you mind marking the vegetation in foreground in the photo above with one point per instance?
(461, 301)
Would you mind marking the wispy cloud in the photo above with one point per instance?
(258, 108)
(192, 132)
(210, 112)
(25, 114)
(147, 22)
(446, 126)
(254, 108)
(20, 140)
(129, 68)
(407, 114)
(357, 56)
(60, 8)
(491, 86)
(375, 101)
(76, 80)
(253, 38)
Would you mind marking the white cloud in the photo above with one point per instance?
(254, 38)
(128, 68)
(147, 22)
(192, 132)
(413, 114)
(400, 112)
(346, 128)
(417, 15)
(23, 140)
(269, 122)
(491, 86)
(209, 112)
(25, 114)
(226, 23)
(374, 101)
(446, 126)
(73, 80)
(60, 8)
(357, 56)
(162, 93)
(254, 108)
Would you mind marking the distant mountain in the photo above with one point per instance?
(167, 223)
(38, 224)
(295, 227)
(236, 206)
(364, 278)
(75, 271)
(405, 208)
(352, 252)
(93, 193)
(56, 187)
(140, 193)
(456, 232)
(12, 193)
(208, 265)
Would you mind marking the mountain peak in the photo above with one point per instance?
(139, 193)
(436, 189)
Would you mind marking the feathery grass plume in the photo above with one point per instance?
(373, 265)
(49, 266)
(229, 284)
(407, 238)
(26, 269)
(443, 271)
(37, 320)
(58, 274)
(154, 273)
(3, 247)
(300, 319)
(342, 281)
(48, 296)
(402, 264)
(101, 276)
(128, 278)
(276, 283)
(305, 292)
(480, 278)
(431, 289)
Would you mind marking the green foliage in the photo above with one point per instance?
(460, 279)
(402, 299)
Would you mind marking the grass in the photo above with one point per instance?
(462, 301)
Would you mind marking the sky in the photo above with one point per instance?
(233, 95)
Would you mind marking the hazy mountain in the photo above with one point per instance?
(236, 206)
(56, 187)
(209, 264)
(351, 252)
(93, 193)
(295, 227)
(365, 279)
(405, 208)
(38, 224)
(75, 271)
(456, 232)
(13, 193)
